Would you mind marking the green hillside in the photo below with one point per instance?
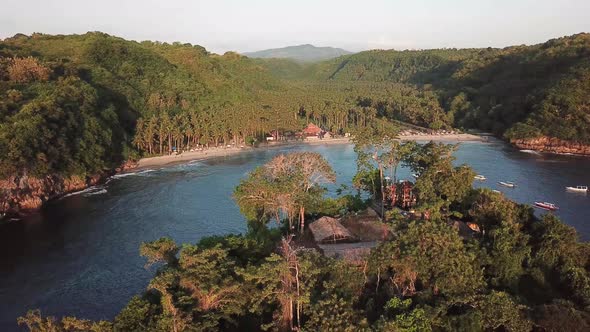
(79, 104)
(520, 91)
(301, 53)
(70, 104)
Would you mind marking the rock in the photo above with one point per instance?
(129, 164)
(23, 194)
(552, 145)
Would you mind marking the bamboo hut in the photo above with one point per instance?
(329, 230)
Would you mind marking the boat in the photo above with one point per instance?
(496, 191)
(508, 184)
(415, 175)
(479, 177)
(546, 206)
(579, 189)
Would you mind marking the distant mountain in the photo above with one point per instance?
(302, 53)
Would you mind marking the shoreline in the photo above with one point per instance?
(168, 160)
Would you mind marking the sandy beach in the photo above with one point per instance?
(228, 151)
(442, 138)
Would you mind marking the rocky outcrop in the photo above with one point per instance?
(552, 145)
(129, 164)
(25, 194)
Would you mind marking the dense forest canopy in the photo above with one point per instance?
(88, 102)
(523, 91)
(78, 104)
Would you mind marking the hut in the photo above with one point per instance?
(312, 130)
(326, 134)
(329, 230)
(354, 253)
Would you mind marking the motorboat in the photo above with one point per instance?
(579, 189)
(496, 191)
(508, 184)
(546, 206)
(415, 175)
(479, 177)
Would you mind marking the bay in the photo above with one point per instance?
(80, 256)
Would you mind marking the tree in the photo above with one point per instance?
(430, 254)
(400, 317)
(500, 310)
(286, 185)
(502, 223)
(36, 323)
(25, 70)
(163, 250)
(439, 184)
(286, 280)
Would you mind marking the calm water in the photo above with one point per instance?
(80, 257)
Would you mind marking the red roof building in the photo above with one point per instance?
(312, 130)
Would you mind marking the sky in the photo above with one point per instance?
(250, 25)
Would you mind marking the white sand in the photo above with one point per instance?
(225, 151)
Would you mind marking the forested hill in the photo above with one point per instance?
(523, 91)
(70, 104)
(301, 53)
(75, 107)
(81, 104)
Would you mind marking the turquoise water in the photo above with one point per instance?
(81, 255)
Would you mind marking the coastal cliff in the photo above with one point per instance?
(552, 145)
(23, 194)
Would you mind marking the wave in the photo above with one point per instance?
(97, 192)
(122, 175)
(87, 191)
(531, 152)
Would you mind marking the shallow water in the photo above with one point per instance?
(80, 256)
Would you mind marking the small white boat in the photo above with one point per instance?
(579, 189)
(496, 191)
(479, 177)
(415, 175)
(508, 184)
(546, 206)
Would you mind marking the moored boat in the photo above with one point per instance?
(508, 184)
(479, 177)
(546, 206)
(579, 189)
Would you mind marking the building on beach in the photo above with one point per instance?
(312, 130)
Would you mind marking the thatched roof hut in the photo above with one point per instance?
(355, 253)
(329, 230)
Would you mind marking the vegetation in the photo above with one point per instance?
(301, 53)
(517, 273)
(520, 91)
(80, 104)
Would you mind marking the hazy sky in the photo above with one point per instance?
(249, 25)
